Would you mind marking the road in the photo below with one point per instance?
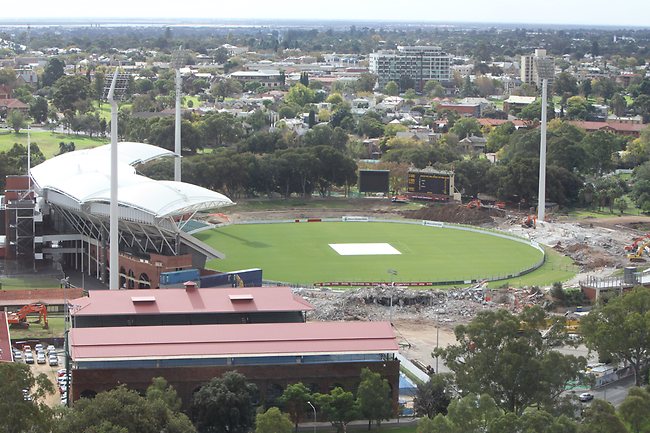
(615, 392)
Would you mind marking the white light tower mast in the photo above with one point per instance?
(177, 63)
(113, 283)
(545, 70)
(117, 89)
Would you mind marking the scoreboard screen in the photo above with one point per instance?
(374, 180)
(428, 183)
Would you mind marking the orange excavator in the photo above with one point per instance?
(19, 319)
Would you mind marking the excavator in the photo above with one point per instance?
(19, 319)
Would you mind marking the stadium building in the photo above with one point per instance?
(60, 215)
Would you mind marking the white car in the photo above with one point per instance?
(53, 360)
(585, 397)
(40, 358)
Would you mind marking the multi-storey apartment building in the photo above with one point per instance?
(531, 66)
(420, 63)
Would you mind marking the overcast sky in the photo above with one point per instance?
(583, 12)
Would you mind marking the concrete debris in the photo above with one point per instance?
(452, 306)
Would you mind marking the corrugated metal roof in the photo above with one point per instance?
(195, 301)
(5, 342)
(239, 340)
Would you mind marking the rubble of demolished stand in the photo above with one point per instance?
(386, 302)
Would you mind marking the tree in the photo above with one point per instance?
(505, 356)
(294, 400)
(600, 147)
(433, 397)
(219, 129)
(600, 417)
(54, 70)
(374, 397)
(272, 421)
(619, 104)
(304, 78)
(224, 405)
(16, 120)
(300, 95)
(124, 410)
(439, 424)
(38, 109)
(465, 127)
(578, 108)
(71, 92)
(225, 89)
(338, 407)
(473, 413)
(620, 330)
(20, 414)
(635, 409)
(391, 88)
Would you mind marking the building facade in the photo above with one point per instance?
(532, 66)
(419, 63)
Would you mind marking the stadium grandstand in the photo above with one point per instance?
(60, 215)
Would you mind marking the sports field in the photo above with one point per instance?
(339, 251)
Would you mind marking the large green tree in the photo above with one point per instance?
(272, 421)
(19, 413)
(374, 397)
(433, 397)
(124, 410)
(16, 120)
(600, 417)
(338, 407)
(53, 71)
(224, 405)
(505, 356)
(620, 330)
(295, 400)
(71, 93)
(635, 410)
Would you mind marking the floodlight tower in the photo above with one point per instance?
(545, 70)
(113, 281)
(177, 62)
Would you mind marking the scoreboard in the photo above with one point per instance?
(374, 180)
(429, 183)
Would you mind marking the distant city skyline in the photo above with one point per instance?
(625, 13)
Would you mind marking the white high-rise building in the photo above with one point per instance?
(530, 70)
(420, 63)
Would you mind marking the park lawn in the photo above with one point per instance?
(105, 109)
(36, 330)
(300, 252)
(48, 142)
(196, 102)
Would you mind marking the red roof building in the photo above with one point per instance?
(5, 341)
(620, 128)
(147, 307)
(188, 336)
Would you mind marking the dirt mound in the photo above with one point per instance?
(452, 214)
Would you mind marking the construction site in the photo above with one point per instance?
(425, 318)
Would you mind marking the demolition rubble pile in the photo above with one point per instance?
(453, 214)
(452, 306)
(591, 247)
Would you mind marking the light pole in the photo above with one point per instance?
(314, 409)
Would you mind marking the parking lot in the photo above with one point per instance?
(53, 399)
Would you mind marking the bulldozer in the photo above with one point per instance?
(19, 318)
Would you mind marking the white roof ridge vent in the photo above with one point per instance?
(242, 297)
(138, 299)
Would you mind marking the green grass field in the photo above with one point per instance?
(36, 330)
(300, 253)
(48, 142)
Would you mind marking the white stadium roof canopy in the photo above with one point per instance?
(81, 179)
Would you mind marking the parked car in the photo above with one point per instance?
(53, 360)
(29, 358)
(18, 355)
(586, 396)
(50, 349)
(38, 347)
(40, 358)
